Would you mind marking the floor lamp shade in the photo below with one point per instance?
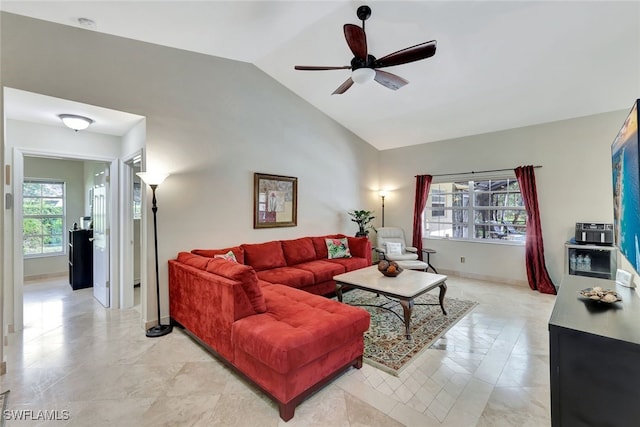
(153, 180)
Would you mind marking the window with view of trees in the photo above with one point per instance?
(43, 217)
(488, 209)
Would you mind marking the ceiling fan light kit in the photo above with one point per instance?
(363, 75)
(365, 67)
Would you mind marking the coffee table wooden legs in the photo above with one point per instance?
(443, 290)
(407, 307)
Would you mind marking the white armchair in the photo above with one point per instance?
(390, 245)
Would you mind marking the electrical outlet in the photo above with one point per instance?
(462, 259)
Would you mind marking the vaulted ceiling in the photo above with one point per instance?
(498, 65)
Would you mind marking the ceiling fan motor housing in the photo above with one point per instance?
(361, 63)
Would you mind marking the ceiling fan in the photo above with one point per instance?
(365, 67)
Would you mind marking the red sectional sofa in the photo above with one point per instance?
(264, 314)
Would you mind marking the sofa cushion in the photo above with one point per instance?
(238, 252)
(360, 247)
(297, 328)
(193, 260)
(263, 256)
(321, 246)
(298, 250)
(337, 248)
(244, 274)
(290, 276)
(322, 270)
(351, 263)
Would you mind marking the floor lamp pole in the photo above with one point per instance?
(160, 329)
(382, 209)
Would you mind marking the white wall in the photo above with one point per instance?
(574, 185)
(211, 123)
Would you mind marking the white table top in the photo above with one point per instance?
(407, 284)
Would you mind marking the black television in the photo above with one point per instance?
(625, 159)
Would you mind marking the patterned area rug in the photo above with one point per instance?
(385, 344)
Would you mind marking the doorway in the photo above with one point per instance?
(115, 132)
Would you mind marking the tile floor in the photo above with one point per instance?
(96, 367)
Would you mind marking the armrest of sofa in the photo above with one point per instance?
(360, 247)
(207, 304)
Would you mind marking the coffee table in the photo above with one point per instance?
(404, 288)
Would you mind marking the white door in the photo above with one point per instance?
(101, 236)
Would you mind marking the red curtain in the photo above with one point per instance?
(534, 250)
(423, 182)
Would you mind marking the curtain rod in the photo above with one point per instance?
(474, 172)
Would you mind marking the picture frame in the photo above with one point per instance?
(275, 201)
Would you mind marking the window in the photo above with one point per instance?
(43, 217)
(488, 209)
(437, 203)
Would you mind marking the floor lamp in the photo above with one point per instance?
(382, 194)
(153, 180)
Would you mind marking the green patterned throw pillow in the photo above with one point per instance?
(338, 248)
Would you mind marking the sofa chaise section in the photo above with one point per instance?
(287, 341)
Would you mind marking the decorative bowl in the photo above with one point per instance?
(389, 268)
(392, 273)
(598, 294)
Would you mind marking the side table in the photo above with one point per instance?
(428, 252)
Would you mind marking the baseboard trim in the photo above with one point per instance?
(483, 277)
(45, 276)
(150, 324)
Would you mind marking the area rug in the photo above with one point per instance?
(385, 344)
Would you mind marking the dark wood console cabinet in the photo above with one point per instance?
(594, 357)
(80, 259)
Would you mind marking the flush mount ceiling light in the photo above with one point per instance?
(75, 122)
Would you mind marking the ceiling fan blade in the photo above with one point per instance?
(320, 68)
(357, 40)
(389, 80)
(410, 54)
(343, 87)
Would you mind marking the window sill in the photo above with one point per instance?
(487, 241)
(36, 256)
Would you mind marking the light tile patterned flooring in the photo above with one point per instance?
(490, 369)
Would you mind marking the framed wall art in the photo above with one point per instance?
(275, 201)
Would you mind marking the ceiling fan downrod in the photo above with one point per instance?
(363, 12)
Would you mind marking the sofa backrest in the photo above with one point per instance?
(297, 251)
(244, 274)
(264, 256)
(238, 252)
(193, 260)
